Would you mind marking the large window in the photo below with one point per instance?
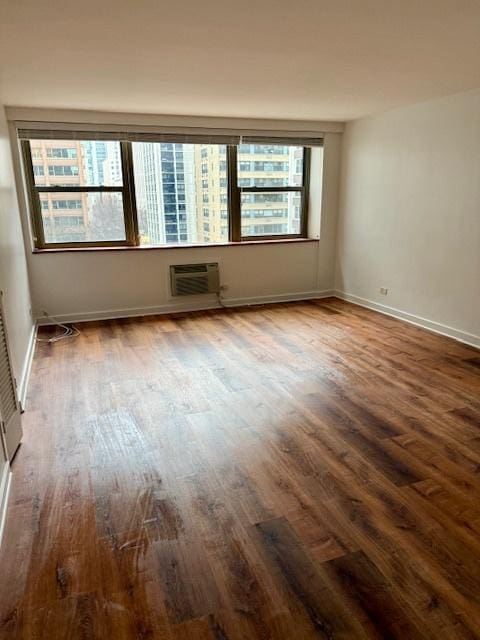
(78, 196)
(117, 192)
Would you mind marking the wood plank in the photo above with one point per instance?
(328, 613)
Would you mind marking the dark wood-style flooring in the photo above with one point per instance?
(304, 470)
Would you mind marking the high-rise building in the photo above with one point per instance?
(110, 164)
(211, 193)
(94, 154)
(165, 192)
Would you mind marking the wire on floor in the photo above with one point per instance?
(68, 332)
(220, 300)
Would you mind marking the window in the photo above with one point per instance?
(62, 170)
(115, 192)
(92, 190)
(183, 186)
(56, 152)
(66, 204)
(273, 186)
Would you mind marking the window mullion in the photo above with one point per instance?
(235, 232)
(77, 189)
(305, 192)
(33, 196)
(129, 200)
(269, 189)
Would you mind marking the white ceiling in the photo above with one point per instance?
(301, 59)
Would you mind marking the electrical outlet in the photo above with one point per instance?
(383, 291)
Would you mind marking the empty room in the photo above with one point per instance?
(240, 320)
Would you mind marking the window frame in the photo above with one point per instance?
(304, 193)
(35, 190)
(127, 189)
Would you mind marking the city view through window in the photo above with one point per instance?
(181, 191)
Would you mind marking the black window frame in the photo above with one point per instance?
(302, 189)
(127, 189)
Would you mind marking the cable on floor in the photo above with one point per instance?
(220, 300)
(69, 332)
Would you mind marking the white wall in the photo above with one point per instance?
(90, 284)
(13, 267)
(14, 284)
(409, 216)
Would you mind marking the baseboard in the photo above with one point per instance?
(185, 306)
(4, 493)
(281, 297)
(112, 314)
(27, 367)
(425, 323)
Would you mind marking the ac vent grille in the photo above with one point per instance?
(8, 402)
(192, 286)
(194, 279)
(190, 268)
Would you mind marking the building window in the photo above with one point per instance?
(66, 204)
(62, 170)
(114, 193)
(58, 152)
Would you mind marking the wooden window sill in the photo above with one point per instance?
(167, 247)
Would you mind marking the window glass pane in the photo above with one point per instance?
(266, 214)
(82, 217)
(85, 163)
(268, 165)
(181, 191)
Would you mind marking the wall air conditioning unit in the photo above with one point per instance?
(192, 279)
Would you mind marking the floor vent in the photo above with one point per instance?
(193, 279)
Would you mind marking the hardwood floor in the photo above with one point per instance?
(303, 470)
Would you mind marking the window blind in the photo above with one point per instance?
(193, 135)
(282, 140)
